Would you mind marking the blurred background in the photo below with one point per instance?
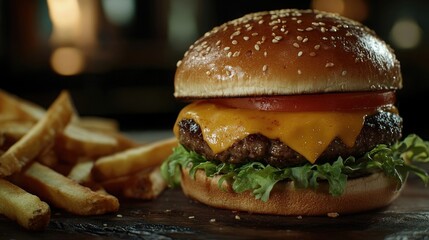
(118, 57)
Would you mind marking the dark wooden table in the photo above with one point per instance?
(173, 216)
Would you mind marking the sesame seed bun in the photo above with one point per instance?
(286, 52)
(361, 194)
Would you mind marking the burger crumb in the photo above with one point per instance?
(299, 217)
(119, 215)
(191, 217)
(167, 210)
(212, 220)
(333, 214)
(237, 217)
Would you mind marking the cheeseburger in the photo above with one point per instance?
(292, 112)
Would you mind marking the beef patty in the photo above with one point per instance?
(379, 128)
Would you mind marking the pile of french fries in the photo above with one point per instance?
(83, 165)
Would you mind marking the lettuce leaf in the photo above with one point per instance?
(396, 161)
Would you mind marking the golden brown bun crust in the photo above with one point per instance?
(361, 194)
(286, 52)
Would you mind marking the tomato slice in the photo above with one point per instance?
(313, 102)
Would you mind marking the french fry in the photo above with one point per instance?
(48, 158)
(97, 124)
(41, 136)
(81, 172)
(17, 108)
(65, 193)
(15, 130)
(75, 142)
(25, 208)
(147, 184)
(133, 160)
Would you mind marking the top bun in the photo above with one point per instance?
(286, 52)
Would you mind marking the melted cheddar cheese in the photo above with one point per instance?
(308, 133)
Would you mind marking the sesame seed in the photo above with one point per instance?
(309, 29)
(246, 38)
(212, 220)
(296, 45)
(229, 54)
(237, 217)
(329, 64)
(255, 34)
(191, 217)
(261, 21)
(218, 43)
(236, 33)
(324, 38)
(300, 30)
(343, 73)
(312, 54)
(264, 68)
(299, 72)
(299, 21)
(323, 29)
(299, 38)
(119, 215)
(317, 47)
(305, 40)
(208, 73)
(348, 34)
(179, 63)
(275, 27)
(333, 214)
(299, 53)
(265, 53)
(234, 42)
(333, 29)
(226, 48)
(257, 47)
(236, 54)
(274, 40)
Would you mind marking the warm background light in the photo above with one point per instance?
(354, 9)
(67, 61)
(65, 17)
(75, 24)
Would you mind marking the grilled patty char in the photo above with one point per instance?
(381, 127)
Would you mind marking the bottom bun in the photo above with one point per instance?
(361, 194)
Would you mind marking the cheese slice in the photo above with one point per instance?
(308, 133)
